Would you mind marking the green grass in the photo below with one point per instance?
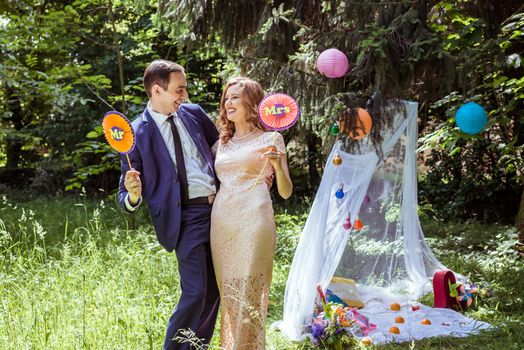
(72, 276)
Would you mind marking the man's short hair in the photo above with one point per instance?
(158, 72)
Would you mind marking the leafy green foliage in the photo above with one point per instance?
(59, 76)
(478, 175)
(38, 77)
(439, 53)
(95, 162)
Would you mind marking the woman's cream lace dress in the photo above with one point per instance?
(243, 241)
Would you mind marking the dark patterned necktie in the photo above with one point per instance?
(180, 165)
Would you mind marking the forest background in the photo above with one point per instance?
(63, 64)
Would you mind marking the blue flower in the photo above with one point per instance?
(317, 329)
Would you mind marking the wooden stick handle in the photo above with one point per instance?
(129, 161)
(259, 175)
(265, 164)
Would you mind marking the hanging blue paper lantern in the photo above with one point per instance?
(471, 118)
(340, 193)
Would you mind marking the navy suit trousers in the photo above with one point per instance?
(197, 307)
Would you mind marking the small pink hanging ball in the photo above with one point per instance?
(332, 63)
(347, 224)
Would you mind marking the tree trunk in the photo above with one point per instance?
(519, 220)
(13, 152)
(313, 144)
(13, 143)
(118, 58)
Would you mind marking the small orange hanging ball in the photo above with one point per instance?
(394, 330)
(366, 341)
(364, 124)
(395, 307)
(399, 319)
(425, 321)
(358, 225)
(337, 160)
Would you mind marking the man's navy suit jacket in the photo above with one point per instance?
(160, 183)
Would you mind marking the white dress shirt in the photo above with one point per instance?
(201, 182)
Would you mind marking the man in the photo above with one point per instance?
(173, 172)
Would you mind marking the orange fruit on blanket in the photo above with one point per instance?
(395, 307)
(399, 319)
(394, 330)
(425, 321)
(366, 341)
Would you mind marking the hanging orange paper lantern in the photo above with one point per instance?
(355, 126)
(363, 127)
(425, 321)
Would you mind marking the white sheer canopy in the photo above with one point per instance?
(389, 258)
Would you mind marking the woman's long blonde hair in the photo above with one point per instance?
(251, 93)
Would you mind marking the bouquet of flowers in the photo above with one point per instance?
(336, 326)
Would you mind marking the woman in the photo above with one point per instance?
(242, 221)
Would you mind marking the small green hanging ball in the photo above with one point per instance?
(334, 130)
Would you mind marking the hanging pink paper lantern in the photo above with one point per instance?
(332, 63)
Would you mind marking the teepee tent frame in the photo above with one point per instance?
(324, 241)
